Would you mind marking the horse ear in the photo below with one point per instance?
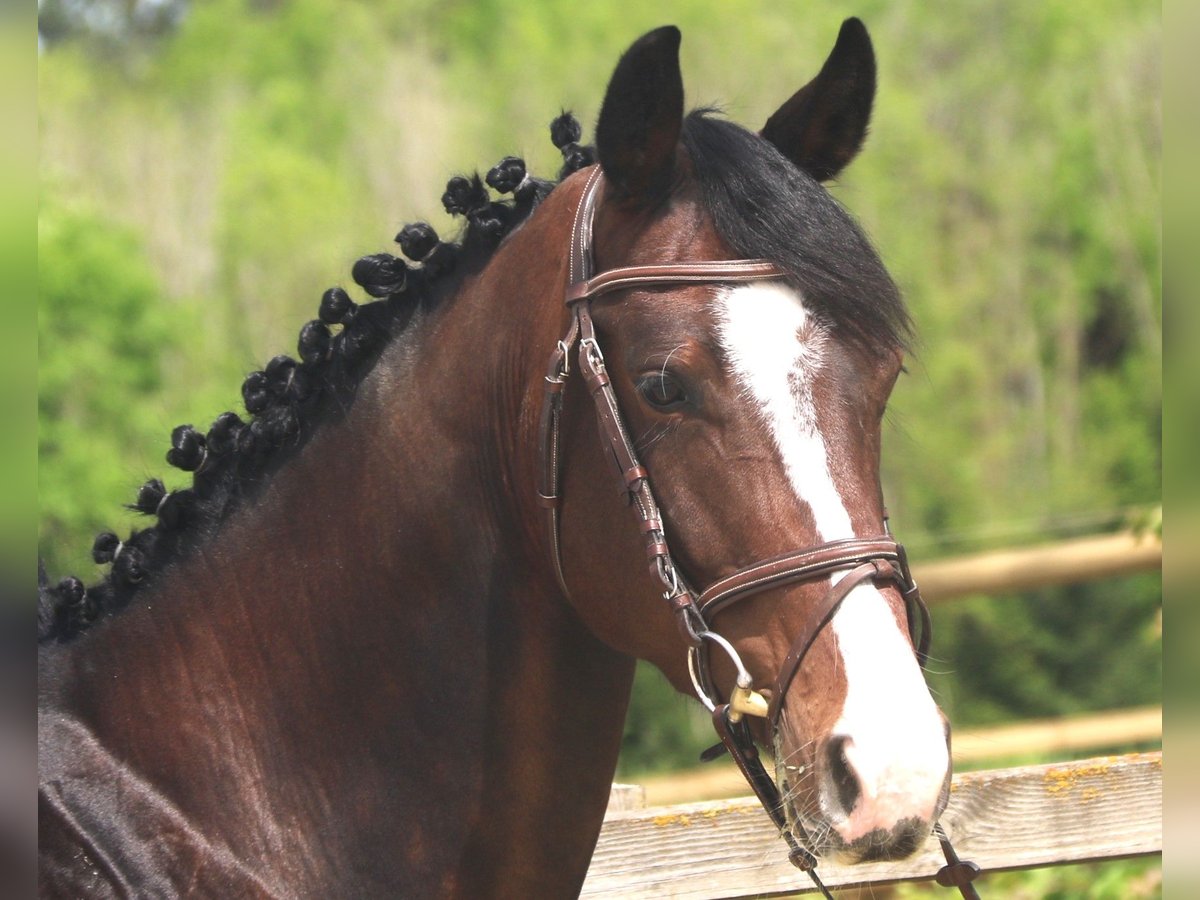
(642, 115)
(822, 127)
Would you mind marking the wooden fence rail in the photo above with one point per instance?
(1103, 808)
(1024, 568)
(1092, 732)
(1067, 734)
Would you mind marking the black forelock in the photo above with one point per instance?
(765, 207)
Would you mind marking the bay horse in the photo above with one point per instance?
(384, 643)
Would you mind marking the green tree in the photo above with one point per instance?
(103, 341)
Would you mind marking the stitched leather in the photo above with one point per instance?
(706, 272)
(799, 565)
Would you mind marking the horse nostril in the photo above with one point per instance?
(841, 773)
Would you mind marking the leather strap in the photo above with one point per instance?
(737, 740)
(956, 872)
(818, 618)
(582, 257)
(799, 565)
(706, 272)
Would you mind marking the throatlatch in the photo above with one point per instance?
(878, 559)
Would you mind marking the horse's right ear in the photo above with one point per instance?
(641, 117)
(822, 127)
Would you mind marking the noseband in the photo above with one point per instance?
(858, 560)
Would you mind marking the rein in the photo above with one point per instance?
(878, 559)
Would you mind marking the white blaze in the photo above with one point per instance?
(896, 743)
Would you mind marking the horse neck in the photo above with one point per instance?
(382, 625)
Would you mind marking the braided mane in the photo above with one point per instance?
(289, 398)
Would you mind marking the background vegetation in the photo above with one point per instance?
(207, 169)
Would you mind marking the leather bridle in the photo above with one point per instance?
(858, 560)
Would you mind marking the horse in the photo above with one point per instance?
(384, 644)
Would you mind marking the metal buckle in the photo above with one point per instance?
(668, 576)
(589, 346)
(564, 370)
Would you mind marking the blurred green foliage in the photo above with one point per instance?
(18, 273)
(103, 334)
(202, 183)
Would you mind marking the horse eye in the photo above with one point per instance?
(661, 391)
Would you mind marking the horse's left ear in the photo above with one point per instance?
(822, 127)
(642, 115)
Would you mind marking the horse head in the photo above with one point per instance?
(753, 407)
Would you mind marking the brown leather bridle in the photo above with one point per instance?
(878, 559)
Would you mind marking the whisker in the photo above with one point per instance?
(663, 371)
(655, 433)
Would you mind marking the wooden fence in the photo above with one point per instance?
(720, 779)
(1025, 817)
(1063, 562)
(1103, 808)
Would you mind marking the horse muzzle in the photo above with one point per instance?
(860, 797)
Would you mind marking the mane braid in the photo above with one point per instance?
(289, 399)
